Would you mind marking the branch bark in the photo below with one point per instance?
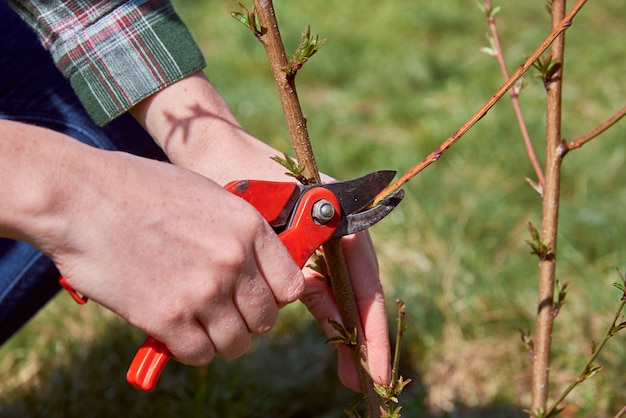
(296, 124)
(555, 150)
(582, 140)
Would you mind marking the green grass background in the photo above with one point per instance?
(393, 81)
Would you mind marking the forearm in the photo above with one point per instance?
(31, 162)
(50, 182)
(197, 130)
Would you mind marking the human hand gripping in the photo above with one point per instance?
(167, 249)
(196, 129)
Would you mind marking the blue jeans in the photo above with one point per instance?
(32, 90)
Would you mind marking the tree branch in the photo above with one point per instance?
(550, 217)
(285, 83)
(582, 140)
(296, 123)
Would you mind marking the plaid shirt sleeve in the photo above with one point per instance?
(115, 53)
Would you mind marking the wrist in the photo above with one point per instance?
(28, 194)
(44, 171)
(196, 129)
(186, 119)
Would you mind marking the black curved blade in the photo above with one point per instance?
(356, 194)
(356, 222)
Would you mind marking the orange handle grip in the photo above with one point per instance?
(148, 364)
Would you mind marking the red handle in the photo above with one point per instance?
(148, 364)
(301, 239)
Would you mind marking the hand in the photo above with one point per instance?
(167, 249)
(200, 133)
(362, 266)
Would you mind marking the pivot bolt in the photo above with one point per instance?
(323, 211)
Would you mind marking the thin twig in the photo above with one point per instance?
(514, 92)
(391, 392)
(480, 113)
(582, 140)
(395, 370)
(587, 368)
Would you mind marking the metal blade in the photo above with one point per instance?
(356, 194)
(356, 222)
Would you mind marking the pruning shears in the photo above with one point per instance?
(304, 217)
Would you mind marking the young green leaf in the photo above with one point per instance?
(547, 68)
(538, 247)
(343, 337)
(561, 293)
(527, 340)
(247, 18)
(294, 170)
(320, 266)
(488, 11)
(490, 50)
(307, 48)
(591, 371)
(622, 284)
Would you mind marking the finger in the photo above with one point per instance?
(347, 370)
(318, 297)
(320, 301)
(256, 304)
(363, 267)
(228, 332)
(283, 276)
(189, 343)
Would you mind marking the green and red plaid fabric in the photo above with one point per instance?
(115, 53)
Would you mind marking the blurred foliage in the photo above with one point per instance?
(392, 82)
